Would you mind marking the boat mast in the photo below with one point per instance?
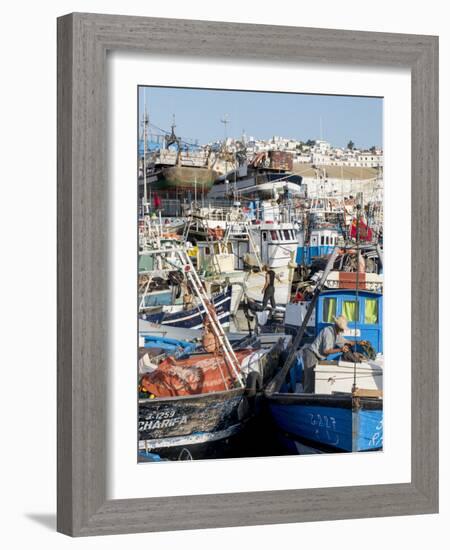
(145, 123)
(225, 120)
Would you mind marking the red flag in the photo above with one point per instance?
(365, 233)
(156, 201)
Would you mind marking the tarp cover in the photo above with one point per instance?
(195, 375)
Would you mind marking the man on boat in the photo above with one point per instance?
(328, 341)
(269, 288)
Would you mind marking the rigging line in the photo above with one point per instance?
(167, 133)
(357, 312)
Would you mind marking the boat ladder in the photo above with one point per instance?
(187, 228)
(217, 328)
(253, 244)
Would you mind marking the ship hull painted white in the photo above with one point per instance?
(247, 186)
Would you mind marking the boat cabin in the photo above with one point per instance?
(215, 257)
(363, 311)
(321, 243)
(277, 243)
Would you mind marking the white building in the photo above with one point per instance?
(322, 146)
(369, 159)
(304, 158)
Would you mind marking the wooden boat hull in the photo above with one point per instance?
(187, 177)
(206, 424)
(330, 423)
(197, 423)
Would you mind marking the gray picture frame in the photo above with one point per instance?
(83, 211)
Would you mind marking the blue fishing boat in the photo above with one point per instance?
(322, 242)
(193, 318)
(345, 413)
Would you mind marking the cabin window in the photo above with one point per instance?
(264, 235)
(286, 235)
(329, 310)
(322, 240)
(327, 240)
(371, 311)
(207, 251)
(230, 248)
(273, 234)
(350, 310)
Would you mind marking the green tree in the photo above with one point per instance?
(350, 145)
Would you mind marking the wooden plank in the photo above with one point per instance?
(361, 392)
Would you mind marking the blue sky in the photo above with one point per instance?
(198, 113)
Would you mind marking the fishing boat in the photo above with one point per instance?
(321, 242)
(233, 244)
(178, 316)
(345, 412)
(202, 404)
(268, 174)
(352, 268)
(202, 401)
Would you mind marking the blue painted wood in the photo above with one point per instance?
(324, 425)
(341, 428)
(305, 254)
(371, 332)
(369, 436)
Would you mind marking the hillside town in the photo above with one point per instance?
(317, 152)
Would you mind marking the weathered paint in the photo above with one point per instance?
(182, 416)
(324, 425)
(369, 435)
(343, 424)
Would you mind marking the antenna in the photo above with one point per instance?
(225, 120)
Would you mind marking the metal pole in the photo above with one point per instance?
(276, 383)
(145, 120)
